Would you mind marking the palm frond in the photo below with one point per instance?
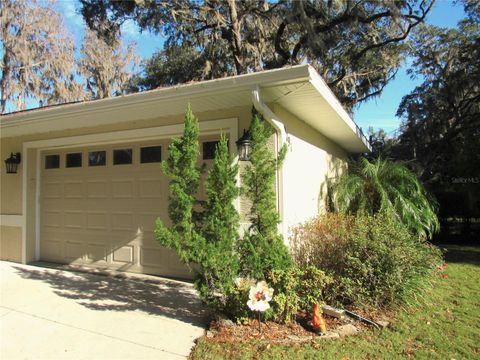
(385, 185)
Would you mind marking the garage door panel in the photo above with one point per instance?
(123, 189)
(96, 253)
(97, 220)
(74, 251)
(122, 221)
(52, 219)
(154, 256)
(147, 221)
(125, 254)
(52, 189)
(97, 189)
(73, 189)
(52, 249)
(104, 216)
(151, 188)
(73, 219)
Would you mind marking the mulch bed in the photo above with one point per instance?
(294, 332)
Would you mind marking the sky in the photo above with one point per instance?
(377, 113)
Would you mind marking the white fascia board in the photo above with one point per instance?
(319, 84)
(167, 94)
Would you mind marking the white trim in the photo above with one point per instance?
(37, 207)
(24, 203)
(324, 90)
(11, 220)
(151, 133)
(229, 125)
(181, 92)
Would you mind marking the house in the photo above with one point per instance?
(88, 186)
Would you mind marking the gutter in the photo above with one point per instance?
(319, 83)
(281, 139)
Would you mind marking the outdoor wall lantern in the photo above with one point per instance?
(12, 163)
(244, 146)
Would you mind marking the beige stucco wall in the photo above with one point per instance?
(311, 160)
(10, 203)
(11, 194)
(11, 243)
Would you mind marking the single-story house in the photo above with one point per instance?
(88, 187)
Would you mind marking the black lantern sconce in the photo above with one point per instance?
(12, 163)
(244, 146)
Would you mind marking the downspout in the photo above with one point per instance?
(281, 139)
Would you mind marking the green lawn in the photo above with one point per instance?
(445, 326)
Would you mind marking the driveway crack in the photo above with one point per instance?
(89, 331)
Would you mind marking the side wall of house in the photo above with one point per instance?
(12, 192)
(312, 160)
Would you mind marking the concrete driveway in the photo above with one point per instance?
(56, 314)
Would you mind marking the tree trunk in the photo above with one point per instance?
(236, 38)
(5, 69)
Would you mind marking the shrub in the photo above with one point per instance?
(219, 263)
(385, 185)
(210, 238)
(210, 242)
(373, 260)
(262, 248)
(181, 168)
(296, 289)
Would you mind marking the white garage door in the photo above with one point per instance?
(99, 205)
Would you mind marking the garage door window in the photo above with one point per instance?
(73, 160)
(52, 161)
(122, 156)
(151, 154)
(209, 148)
(97, 158)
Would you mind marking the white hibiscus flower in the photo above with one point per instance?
(259, 297)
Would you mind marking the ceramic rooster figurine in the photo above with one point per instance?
(318, 322)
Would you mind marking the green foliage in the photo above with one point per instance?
(236, 307)
(385, 185)
(220, 265)
(295, 289)
(173, 65)
(450, 311)
(440, 118)
(262, 249)
(213, 242)
(373, 260)
(356, 47)
(181, 168)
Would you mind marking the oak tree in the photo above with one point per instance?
(357, 46)
(37, 61)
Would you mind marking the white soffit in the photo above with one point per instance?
(299, 89)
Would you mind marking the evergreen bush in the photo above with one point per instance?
(262, 248)
(229, 266)
(220, 263)
(181, 167)
(211, 242)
